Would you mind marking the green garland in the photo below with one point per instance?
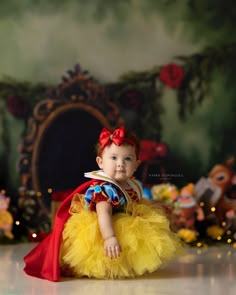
(196, 84)
(33, 93)
(198, 69)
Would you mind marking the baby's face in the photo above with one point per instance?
(118, 162)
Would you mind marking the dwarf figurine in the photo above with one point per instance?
(187, 210)
(6, 219)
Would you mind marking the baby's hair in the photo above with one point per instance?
(130, 139)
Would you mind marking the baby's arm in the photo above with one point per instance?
(111, 245)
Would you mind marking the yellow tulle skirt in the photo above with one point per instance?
(143, 233)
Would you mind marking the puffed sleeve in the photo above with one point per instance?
(103, 192)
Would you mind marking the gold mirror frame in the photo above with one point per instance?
(79, 91)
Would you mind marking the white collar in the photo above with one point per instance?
(100, 175)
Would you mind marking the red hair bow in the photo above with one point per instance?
(117, 137)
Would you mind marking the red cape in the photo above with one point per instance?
(43, 261)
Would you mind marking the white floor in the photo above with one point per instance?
(200, 271)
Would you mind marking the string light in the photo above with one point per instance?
(230, 240)
(49, 105)
(219, 256)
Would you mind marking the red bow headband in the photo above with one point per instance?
(117, 137)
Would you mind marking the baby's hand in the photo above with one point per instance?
(112, 247)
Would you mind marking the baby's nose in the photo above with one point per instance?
(120, 163)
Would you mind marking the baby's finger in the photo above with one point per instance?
(110, 252)
(117, 252)
(113, 252)
(106, 251)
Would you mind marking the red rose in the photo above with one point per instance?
(172, 75)
(150, 150)
(161, 150)
(131, 99)
(17, 106)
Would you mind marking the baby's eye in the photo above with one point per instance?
(113, 157)
(128, 159)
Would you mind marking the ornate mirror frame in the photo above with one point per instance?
(78, 91)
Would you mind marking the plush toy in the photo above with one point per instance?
(6, 219)
(212, 194)
(187, 210)
(164, 195)
(165, 192)
(33, 213)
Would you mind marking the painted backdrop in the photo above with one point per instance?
(40, 42)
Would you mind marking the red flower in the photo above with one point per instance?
(150, 150)
(161, 150)
(17, 106)
(131, 99)
(172, 75)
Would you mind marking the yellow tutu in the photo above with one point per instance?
(143, 233)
